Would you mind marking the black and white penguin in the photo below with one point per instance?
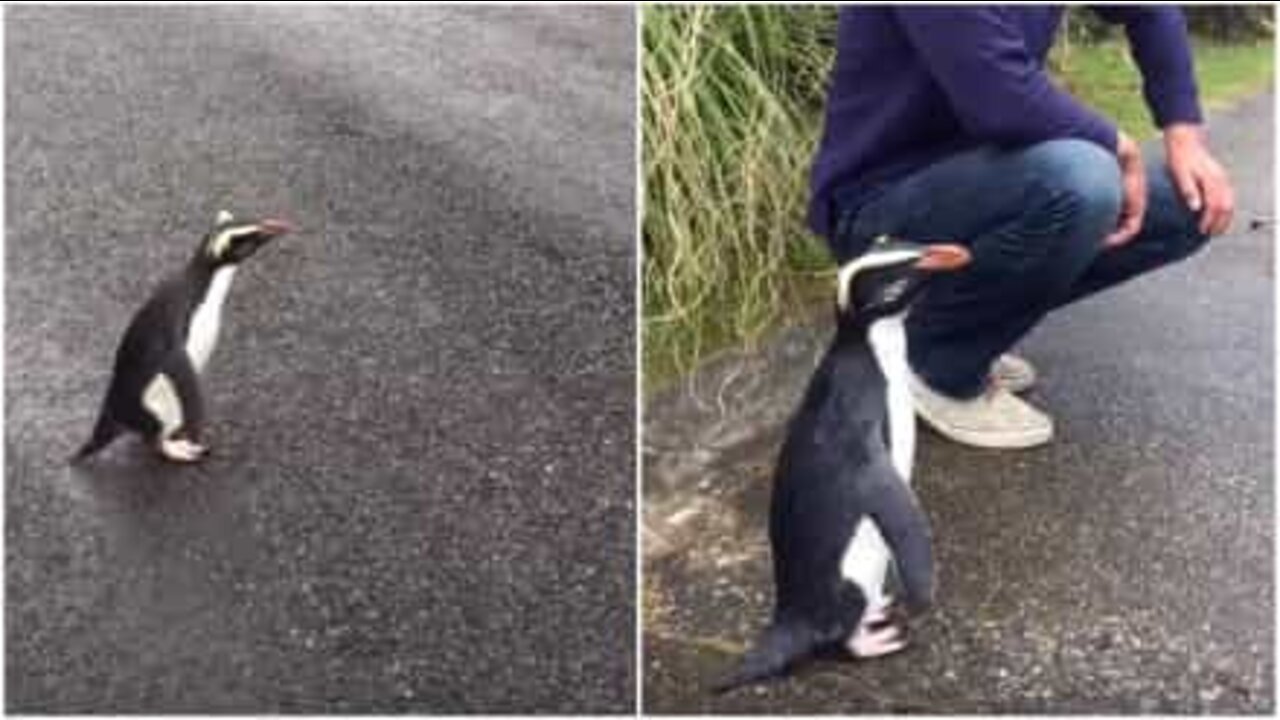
(842, 506)
(155, 386)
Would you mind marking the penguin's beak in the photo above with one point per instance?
(944, 257)
(272, 228)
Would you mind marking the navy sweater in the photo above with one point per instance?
(912, 85)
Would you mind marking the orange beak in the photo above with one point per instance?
(275, 227)
(945, 257)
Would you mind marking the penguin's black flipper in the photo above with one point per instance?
(896, 511)
(187, 384)
(104, 431)
(781, 645)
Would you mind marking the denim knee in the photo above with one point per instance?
(1084, 180)
(1069, 200)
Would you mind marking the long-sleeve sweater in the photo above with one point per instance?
(912, 85)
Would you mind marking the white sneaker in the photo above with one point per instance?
(995, 419)
(1013, 373)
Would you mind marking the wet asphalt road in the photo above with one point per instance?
(421, 406)
(1127, 567)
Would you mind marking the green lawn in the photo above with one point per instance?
(1105, 78)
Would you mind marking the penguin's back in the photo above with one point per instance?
(154, 332)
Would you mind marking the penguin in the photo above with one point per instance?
(155, 384)
(842, 507)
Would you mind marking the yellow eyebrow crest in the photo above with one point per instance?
(222, 241)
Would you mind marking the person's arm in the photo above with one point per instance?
(998, 91)
(1159, 44)
(1002, 95)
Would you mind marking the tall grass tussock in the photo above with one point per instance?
(731, 104)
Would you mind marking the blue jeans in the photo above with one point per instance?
(1034, 219)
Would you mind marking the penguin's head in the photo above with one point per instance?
(233, 241)
(885, 280)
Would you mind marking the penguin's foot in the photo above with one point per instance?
(182, 451)
(869, 641)
(877, 614)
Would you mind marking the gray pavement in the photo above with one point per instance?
(421, 497)
(1127, 567)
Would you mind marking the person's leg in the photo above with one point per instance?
(1034, 219)
(1169, 233)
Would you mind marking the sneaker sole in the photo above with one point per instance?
(1017, 387)
(989, 440)
(1017, 383)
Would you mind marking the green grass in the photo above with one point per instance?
(731, 102)
(731, 110)
(1105, 78)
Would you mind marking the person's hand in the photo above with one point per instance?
(1203, 183)
(1133, 183)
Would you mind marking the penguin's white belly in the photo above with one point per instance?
(866, 559)
(202, 335)
(888, 340)
(160, 398)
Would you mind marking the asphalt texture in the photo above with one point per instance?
(421, 492)
(1126, 567)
